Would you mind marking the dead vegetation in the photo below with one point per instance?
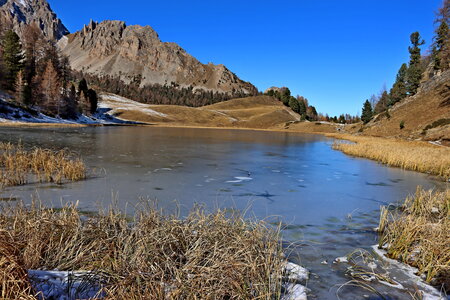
(19, 166)
(416, 156)
(260, 112)
(14, 283)
(424, 111)
(419, 234)
(204, 256)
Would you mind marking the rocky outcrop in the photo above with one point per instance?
(135, 53)
(22, 12)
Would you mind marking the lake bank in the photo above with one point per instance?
(419, 156)
(217, 256)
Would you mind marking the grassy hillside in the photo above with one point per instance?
(262, 112)
(425, 116)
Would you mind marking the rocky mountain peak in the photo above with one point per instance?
(129, 52)
(22, 12)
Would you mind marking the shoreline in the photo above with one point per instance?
(392, 152)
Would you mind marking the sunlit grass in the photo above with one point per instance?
(419, 234)
(19, 166)
(204, 256)
(416, 156)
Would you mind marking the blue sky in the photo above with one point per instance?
(336, 53)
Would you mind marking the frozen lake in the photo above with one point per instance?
(328, 202)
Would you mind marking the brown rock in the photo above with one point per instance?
(22, 12)
(130, 52)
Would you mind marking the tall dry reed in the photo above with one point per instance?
(410, 155)
(19, 166)
(419, 234)
(204, 256)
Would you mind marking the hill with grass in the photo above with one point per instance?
(262, 112)
(425, 115)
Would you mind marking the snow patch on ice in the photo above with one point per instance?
(294, 292)
(429, 292)
(65, 285)
(294, 278)
(244, 178)
(295, 272)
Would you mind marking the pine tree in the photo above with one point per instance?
(383, 103)
(398, 91)
(311, 112)
(440, 47)
(83, 103)
(367, 112)
(12, 58)
(302, 109)
(51, 90)
(414, 73)
(69, 109)
(285, 96)
(82, 86)
(93, 101)
(20, 88)
(441, 44)
(293, 104)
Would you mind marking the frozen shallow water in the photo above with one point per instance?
(327, 202)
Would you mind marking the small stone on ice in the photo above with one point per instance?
(296, 272)
(342, 259)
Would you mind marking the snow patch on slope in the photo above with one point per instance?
(115, 102)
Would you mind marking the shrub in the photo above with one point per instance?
(438, 123)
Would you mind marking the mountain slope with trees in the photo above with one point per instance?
(418, 104)
(132, 61)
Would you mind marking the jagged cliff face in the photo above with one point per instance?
(22, 12)
(136, 52)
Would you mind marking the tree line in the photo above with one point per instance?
(33, 70)
(298, 104)
(410, 75)
(167, 94)
(38, 76)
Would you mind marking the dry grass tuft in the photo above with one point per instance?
(19, 166)
(419, 235)
(14, 282)
(204, 256)
(416, 156)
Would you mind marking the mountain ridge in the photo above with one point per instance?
(20, 13)
(135, 52)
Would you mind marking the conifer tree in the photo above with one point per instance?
(82, 86)
(441, 44)
(51, 90)
(383, 103)
(414, 73)
(398, 91)
(20, 88)
(12, 58)
(93, 101)
(302, 109)
(312, 113)
(294, 105)
(367, 112)
(69, 109)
